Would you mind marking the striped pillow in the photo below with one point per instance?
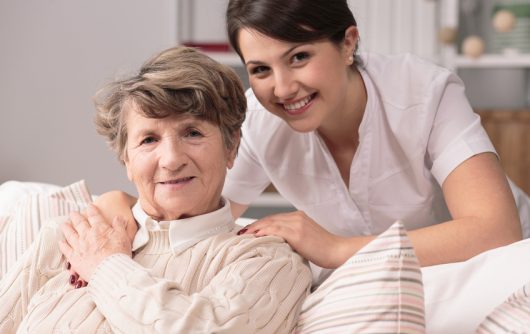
(19, 228)
(378, 290)
(512, 316)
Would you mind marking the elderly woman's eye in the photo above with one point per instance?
(193, 133)
(147, 140)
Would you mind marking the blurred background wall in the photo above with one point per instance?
(54, 54)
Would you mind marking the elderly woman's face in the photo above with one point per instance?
(178, 164)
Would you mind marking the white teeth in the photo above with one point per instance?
(298, 104)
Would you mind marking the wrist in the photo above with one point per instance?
(349, 246)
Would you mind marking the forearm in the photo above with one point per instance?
(461, 239)
(451, 241)
(252, 297)
(38, 264)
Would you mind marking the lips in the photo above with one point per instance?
(177, 181)
(300, 106)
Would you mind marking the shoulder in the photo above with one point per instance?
(267, 248)
(406, 79)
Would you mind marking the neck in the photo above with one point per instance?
(342, 130)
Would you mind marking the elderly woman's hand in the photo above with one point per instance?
(89, 240)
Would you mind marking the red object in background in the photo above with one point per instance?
(209, 47)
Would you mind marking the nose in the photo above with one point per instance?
(172, 155)
(285, 85)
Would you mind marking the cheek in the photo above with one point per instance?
(141, 168)
(262, 89)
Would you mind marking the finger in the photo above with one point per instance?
(68, 267)
(119, 224)
(70, 234)
(66, 249)
(131, 228)
(259, 225)
(73, 279)
(79, 222)
(94, 216)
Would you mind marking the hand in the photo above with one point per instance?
(117, 203)
(89, 240)
(305, 236)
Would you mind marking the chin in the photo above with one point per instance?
(302, 127)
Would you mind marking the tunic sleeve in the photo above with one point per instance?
(457, 133)
(248, 178)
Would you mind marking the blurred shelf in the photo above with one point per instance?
(493, 61)
(227, 58)
(270, 199)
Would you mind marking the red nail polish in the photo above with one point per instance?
(78, 284)
(243, 230)
(72, 279)
(68, 266)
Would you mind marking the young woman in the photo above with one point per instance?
(356, 142)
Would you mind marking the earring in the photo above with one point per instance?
(350, 60)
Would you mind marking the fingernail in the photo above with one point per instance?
(241, 231)
(68, 265)
(85, 283)
(78, 284)
(72, 279)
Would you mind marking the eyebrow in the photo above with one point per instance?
(284, 54)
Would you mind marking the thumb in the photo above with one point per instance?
(119, 223)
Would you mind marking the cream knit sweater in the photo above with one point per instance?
(222, 284)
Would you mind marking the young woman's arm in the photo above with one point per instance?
(237, 209)
(478, 197)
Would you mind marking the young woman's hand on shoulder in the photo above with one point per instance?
(307, 238)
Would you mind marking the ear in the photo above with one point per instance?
(232, 153)
(351, 38)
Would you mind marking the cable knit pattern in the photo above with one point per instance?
(223, 284)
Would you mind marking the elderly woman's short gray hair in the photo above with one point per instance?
(177, 81)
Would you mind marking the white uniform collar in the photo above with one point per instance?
(183, 233)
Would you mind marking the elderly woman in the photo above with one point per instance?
(176, 127)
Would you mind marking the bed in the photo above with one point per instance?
(490, 290)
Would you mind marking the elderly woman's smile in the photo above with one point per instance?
(178, 163)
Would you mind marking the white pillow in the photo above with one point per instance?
(378, 290)
(35, 205)
(458, 296)
(13, 191)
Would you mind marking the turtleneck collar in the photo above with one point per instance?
(183, 233)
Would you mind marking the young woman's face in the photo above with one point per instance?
(304, 84)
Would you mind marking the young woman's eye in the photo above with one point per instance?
(147, 140)
(259, 70)
(300, 56)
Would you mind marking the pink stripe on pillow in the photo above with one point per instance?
(377, 290)
(512, 316)
(19, 229)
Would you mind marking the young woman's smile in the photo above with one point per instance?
(306, 84)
